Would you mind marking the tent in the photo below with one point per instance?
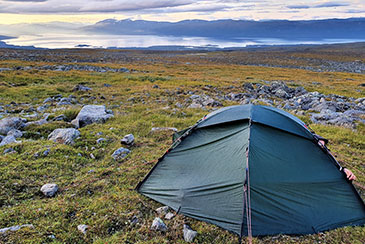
(254, 170)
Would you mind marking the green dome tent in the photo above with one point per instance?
(254, 170)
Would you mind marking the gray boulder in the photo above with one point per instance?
(128, 139)
(80, 87)
(15, 228)
(159, 225)
(16, 133)
(10, 123)
(64, 136)
(120, 153)
(92, 114)
(189, 234)
(8, 139)
(49, 190)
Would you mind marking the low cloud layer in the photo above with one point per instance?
(189, 9)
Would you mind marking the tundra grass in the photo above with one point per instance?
(96, 190)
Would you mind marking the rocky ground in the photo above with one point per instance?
(75, 139)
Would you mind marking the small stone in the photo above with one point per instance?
(189, 234)
(49, 190)
(195, 105)
(134, 220)
(100, 140)
(162, 210)
(128, 139)
(9, 150)
(156, 129)
(46, 152)
(48, 100)
(120, 153)
(169, 216)
(92, 156)
(83, 228)
(80, 87)
(158, 225)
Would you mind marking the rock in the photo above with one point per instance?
(80, 87)
(92, 114)
(128, 139)
(60, 117)
(38, 122)
(49, 190)
(162, 210)
(195, 105)
(65, 101)
(248, 87)
(16, 133)
(120, 153)
(100, 140)
(64, 136)
(189, 234)
(83, 228)
(10, 123)
(15, 228)
(46, 152)
(169, 216)
(8, 139)
(281, 93)
(48, 100)
(134, 220)
(43, 108)
(158, 225)
(157, 129)
(9, 150)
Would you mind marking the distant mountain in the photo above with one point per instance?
(5, 37)
(353, 28)
(4, 45)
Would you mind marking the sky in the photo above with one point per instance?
(91, 11)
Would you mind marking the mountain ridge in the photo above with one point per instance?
(231, 29)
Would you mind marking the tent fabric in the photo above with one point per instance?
(295, 186)
(259, 114)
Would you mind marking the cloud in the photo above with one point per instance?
(355, 11)
(25, 0)
(322, 5)
(298, 6)
(331, 5)
(85, 6)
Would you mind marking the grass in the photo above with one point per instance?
(100, 192)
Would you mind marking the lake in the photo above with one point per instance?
(127, 41)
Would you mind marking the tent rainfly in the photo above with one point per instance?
(254, 170)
